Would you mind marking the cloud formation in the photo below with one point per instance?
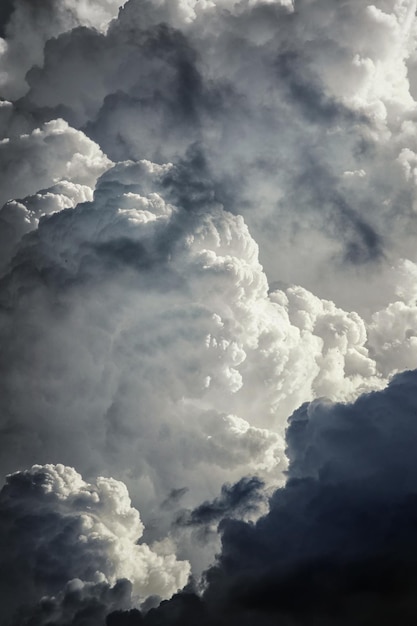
(338, 541)
(26, 27)
(56, 528)
(183, 302)
(157, 83)
(207, 221)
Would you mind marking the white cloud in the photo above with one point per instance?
(46, 170)
(135, 293)
(162, 318)
(303, 100)
(46, 156)
(87, 531)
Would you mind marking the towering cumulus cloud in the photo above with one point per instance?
(208, 311)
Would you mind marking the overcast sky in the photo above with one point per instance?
(208, 312)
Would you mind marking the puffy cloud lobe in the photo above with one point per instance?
(46, 156)
(28, 26)
(46, 170)
(392, 331)
(20, 217)
(56, 527)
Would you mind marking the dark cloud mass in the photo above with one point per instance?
(208, 312)
(339, 542)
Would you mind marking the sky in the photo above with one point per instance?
(208, 312)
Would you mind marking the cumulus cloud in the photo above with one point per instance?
(47, 155)
(157, 83)
(27, 26)
(55, 528)
(183, 302)
(163, 321)
(80, 603)
(346, 511)
(338, 541)
(208, 219)
(47, 170)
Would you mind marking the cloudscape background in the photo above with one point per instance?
(208, 312)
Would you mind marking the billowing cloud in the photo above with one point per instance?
(55, 527)
(338, 541)
(80, 603)
(183, 302)
(312, 161)
(46, 156)
(27, 26)
(47, 170)
(207, 220)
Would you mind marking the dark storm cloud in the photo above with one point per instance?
(6, 9)
(339, 542)
(66, 545)
(239, 499)
(140, 339)
(341, 535)
(79, 605)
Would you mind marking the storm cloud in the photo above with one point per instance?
(208, 300)
(338, 542)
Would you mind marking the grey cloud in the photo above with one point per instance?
(348, 507)
(6, 11)
(174, 497)
(79, 604)
(239, 499)
(163, 90)
(57, 528)
(139, 335)
(31, 24)
(338, 541)
(154, 285)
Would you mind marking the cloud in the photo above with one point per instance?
(207, 220)
(156, 268)
(46, 170)
(154, 283)
(232, 78)
(57, 528)
(183, 301)
(27, 26)
(346, 512)
(243, 497)
(80, 603)
(338, 541)
(47, 155)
